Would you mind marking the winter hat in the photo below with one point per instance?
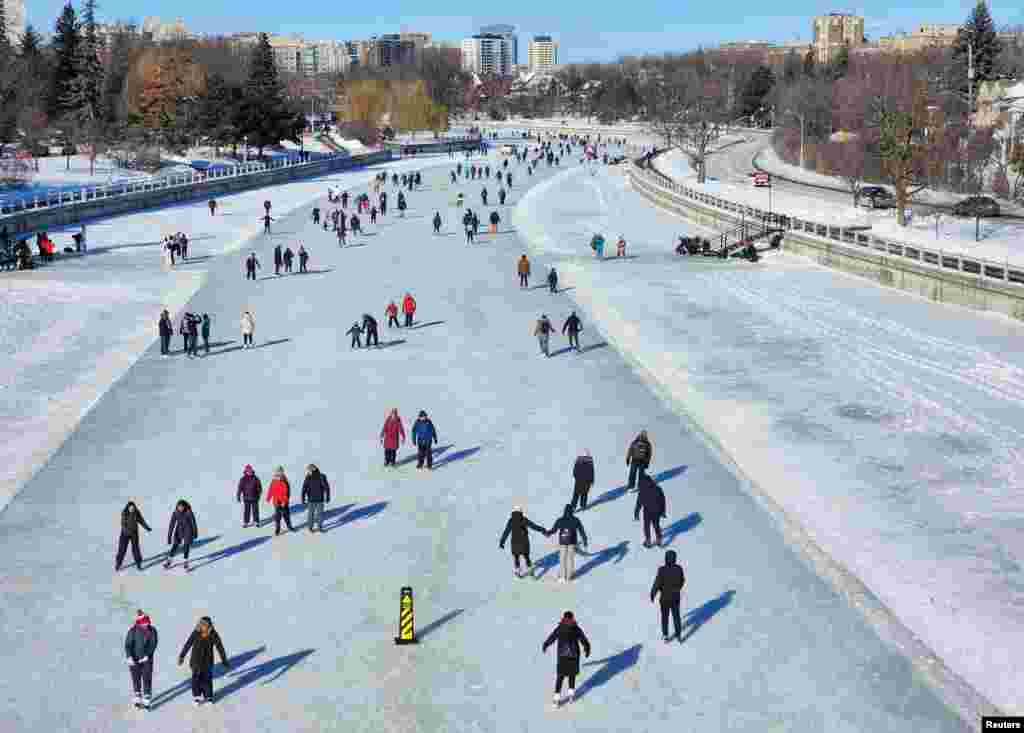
(311, 467)
(423, 413)
(141, 619)
(567, 616)
(248, 469)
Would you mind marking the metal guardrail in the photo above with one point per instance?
(858, 237)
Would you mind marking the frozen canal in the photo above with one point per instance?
(890, 427)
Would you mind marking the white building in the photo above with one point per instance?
(155, 29)
(486, 54)
(542, 53)
(13, 12)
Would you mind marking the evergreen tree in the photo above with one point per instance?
(66, 40)
(757, 88)
(978, 33)
(84, 92)
(218, 109)
(265, 116)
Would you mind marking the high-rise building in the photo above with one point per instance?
(390, 50)
(833, 31)
(488, 55)
(932, 34)
(419, 40)
(289, 53)
(154, 29)
(13, 12)
(508, 32)
(542, 53)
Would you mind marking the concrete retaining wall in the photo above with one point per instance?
(935, 284)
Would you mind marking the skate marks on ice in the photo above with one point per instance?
(433, 626)
(694, 619)
(596, 559)
(609, 668)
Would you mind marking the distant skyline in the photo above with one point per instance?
(585, 31)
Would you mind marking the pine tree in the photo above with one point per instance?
(84, 92)
(66, 40)
(266, 117)
(977, 37)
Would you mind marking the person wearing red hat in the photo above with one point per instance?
(569, 637)
(249, 491)
(139, 647)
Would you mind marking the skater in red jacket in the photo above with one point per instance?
(391, 435)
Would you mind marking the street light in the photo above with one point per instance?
(803, 120)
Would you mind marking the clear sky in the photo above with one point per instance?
(586, 31)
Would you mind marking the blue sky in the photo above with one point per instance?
(586, 31)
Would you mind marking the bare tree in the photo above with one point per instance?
(703, 119)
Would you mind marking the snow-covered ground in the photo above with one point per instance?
(68, 331)
(308, 619)
(54, 171)
(889, 426)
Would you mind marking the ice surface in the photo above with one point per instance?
(889, 426)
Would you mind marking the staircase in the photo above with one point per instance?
(732, 241)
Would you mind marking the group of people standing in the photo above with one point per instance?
(191, 328)
(174, 246)
(423, 434)
(543, 329)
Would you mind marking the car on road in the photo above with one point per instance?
(876, 197)
(618, 159)
(981, 206)
(762, 179)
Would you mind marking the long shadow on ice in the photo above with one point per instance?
(457, 456)
(365, 512)
(669, 473)
(615, 552)
(160, 557)
(592, 347)
(611, 495)
(238, 660)
(702, 614)
(213, 557)
(268, 671)
(679, 527)
(435, 625)
(544, 564)
(275, 342)
(437, 451)
(612, 666)
(328, 514)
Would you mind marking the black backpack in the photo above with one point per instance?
(642, 451)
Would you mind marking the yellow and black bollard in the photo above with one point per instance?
(406, 628)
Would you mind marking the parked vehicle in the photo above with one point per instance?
(762, 179)
(876, 197)
(982, 206)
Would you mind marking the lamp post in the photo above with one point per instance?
(803, 120)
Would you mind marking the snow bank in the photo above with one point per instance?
(53, 171)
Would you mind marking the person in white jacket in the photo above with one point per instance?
(248, 328)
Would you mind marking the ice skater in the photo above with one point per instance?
(523, 268)
(316, 492)
(370, 329)
(517, 528)
(279, 494)
(251, 265)
(131, 520)
(553, 281)
(651, 498)
(202, 642)
(424, 435)
(139, 650)
(166, 329)
(249, 493)
(437, 222)
(569, 532)
(569, 637)
(354, 332)
(409, 309)
(669, 583)
(248, 324)
(543, 331)
(638, 457)
(391, 436)
(572, 328)
(583, 479)
(391, 313)
(181, 532)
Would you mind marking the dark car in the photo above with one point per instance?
(618, 159)
(876, 197)
(977, 206)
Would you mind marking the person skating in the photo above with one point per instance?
(383, 203)
(638, 457)
(279, 494)
(495, 219)
(437, 222)
(354, 332)
(418, 179)
(483, 195)
(316, 215)
(409, 309)
(523, 268)
(401, 204)
(316, 492)
(669, 583)
(467, 222)
(454, 177)
(568, 530)
(288, 258)
(181, 532)
(205, 329)
(553, 281)
(250, 491)
(572, 327)
(202, 642)
(373, 214)
(543, 331)
(370, 328)
(183, 332)
(355, 225)
(508, 179)
(266, 207)
(517, 528)
(166, 328)
(424, 435)
(139, 650)
(583, 479)
(303, 259)
(344, 199)
(501, 196)
(212, 203)
(251, 265)
(131, 520)
(391, 435)
(266, 223)
(569, 637)
(475, 223)
(651, 498)
(278, 259)
(391, 313)
(248, 324)
(193, 322)
(620, 247)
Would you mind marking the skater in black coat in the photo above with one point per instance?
(569, 530)
(354, 333)
(651, 499)
(437, 222)
(483, 196)
(572, 326)
(131, 520)
(638, 457)
(278, 259)
(181, 532)
(518, 527)
(370, 327)
(250, 491)
(202, 642)
(251, 265)
(139, 647)
(553, 281)
(569, 638)
(316, 492)
(583, 478)
(669, 583)
(166, 332)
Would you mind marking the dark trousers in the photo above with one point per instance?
(677, 623)
(393, 321)
(186, 547)
(285, 513)
(561, 677)
(302, 265)
(246, 339)
(122, 548)
(553, 285)
(202, 683)
(524, 280)
(250, 274)
(277, 268)
(165, 343)
(574, 339)
(206, 343)
(525, 556)
(636, 470)
(193, 345)
(356, 343)
(424, 453)
(142, 678)
(649, 522)
(316, 217)
(579, 494)
(371, 336)
(389, 456)
(408, 320)
(184, 342)
(437, 228)
(252, 509)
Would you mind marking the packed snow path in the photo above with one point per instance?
(308, 620)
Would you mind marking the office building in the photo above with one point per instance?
(488, 55)
(834, 31)
(508, 32)
(542, 53)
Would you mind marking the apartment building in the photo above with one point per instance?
(488, 54)
(834, 31)
(924, 36)
(542, 53)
